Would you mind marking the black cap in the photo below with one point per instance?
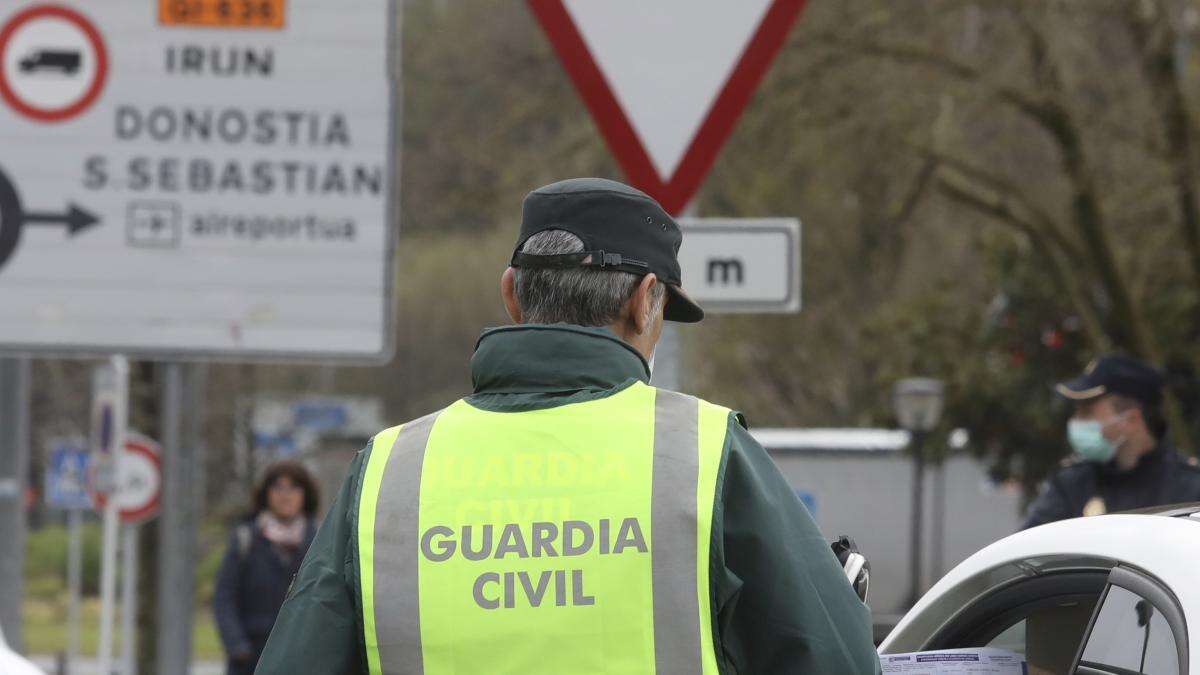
(623, 230)
(1116, 374)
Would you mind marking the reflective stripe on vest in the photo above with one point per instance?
(569, 539)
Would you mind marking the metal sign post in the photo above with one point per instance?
(74, 585)
(136, 498)
(67, 488)
(182, 409)
(14, 466)
(129, 574)
(110, 419)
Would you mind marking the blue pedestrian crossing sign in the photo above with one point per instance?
(809, 500)
(67, 478)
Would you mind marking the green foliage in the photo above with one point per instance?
(214, 534)
(46, 561)
(45, 629)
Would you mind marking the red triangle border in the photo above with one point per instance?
(675, 192)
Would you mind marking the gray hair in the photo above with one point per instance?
(583, 296)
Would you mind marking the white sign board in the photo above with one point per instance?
(666, 110)
(199, 178)
(690, 66)
(742, 264)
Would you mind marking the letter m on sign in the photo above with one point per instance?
(666, 80)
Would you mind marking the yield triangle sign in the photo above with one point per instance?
(666, 80)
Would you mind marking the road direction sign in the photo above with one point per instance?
(666, 80)
(210, 178)
(67, 477)
(742, 265)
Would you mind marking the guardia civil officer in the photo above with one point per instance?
(1123, 459)
(567, 517)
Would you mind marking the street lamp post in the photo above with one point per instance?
(917, 402)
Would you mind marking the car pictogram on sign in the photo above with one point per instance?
(61, 60)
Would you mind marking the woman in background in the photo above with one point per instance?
(264, 554)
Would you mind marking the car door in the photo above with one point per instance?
(1041, 618)
(1117, 621)
(1138, 628)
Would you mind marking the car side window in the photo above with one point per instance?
(1129, 635)
(1048, 637)
(1043, 619)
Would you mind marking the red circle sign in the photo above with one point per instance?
(140, 476)
(67, 60)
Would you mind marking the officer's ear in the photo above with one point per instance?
(508, 292)
(641, 304)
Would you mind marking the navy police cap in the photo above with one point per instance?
(1116, 374)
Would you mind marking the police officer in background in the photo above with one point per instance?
(1123, 458)
(568, 518)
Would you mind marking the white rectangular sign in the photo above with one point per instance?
(742, 264)
(197, 178)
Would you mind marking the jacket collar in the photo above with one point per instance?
(1146, 463)
(542, 358)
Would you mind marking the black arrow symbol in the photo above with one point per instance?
(76, 219)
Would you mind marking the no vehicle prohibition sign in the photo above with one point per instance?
(53, 63)
(140, 475)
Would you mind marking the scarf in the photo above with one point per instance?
(284, 534)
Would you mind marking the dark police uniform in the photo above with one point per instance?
(1162, 476)
(1082, 488)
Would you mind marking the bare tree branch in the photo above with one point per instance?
(1046, 109)
(1085, 203)
(1155, 38)
(1011, 209)
(913, 198)
(1027, 102)
(1029, 212)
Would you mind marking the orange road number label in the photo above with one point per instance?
(222, 13)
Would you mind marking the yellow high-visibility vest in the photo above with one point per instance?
(572, 539)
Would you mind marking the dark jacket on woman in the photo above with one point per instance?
(251, 585)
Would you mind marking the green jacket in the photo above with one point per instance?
(780, 601)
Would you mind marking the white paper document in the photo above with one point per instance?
(979, 661)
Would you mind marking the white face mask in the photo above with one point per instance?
(1087, 438)
(650, 361)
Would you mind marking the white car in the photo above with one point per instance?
(1106, 595)
(12, 663)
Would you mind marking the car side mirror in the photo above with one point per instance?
(855, 565)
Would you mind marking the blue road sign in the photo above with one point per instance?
(809, 500)
(320, 414)
(67, 478)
